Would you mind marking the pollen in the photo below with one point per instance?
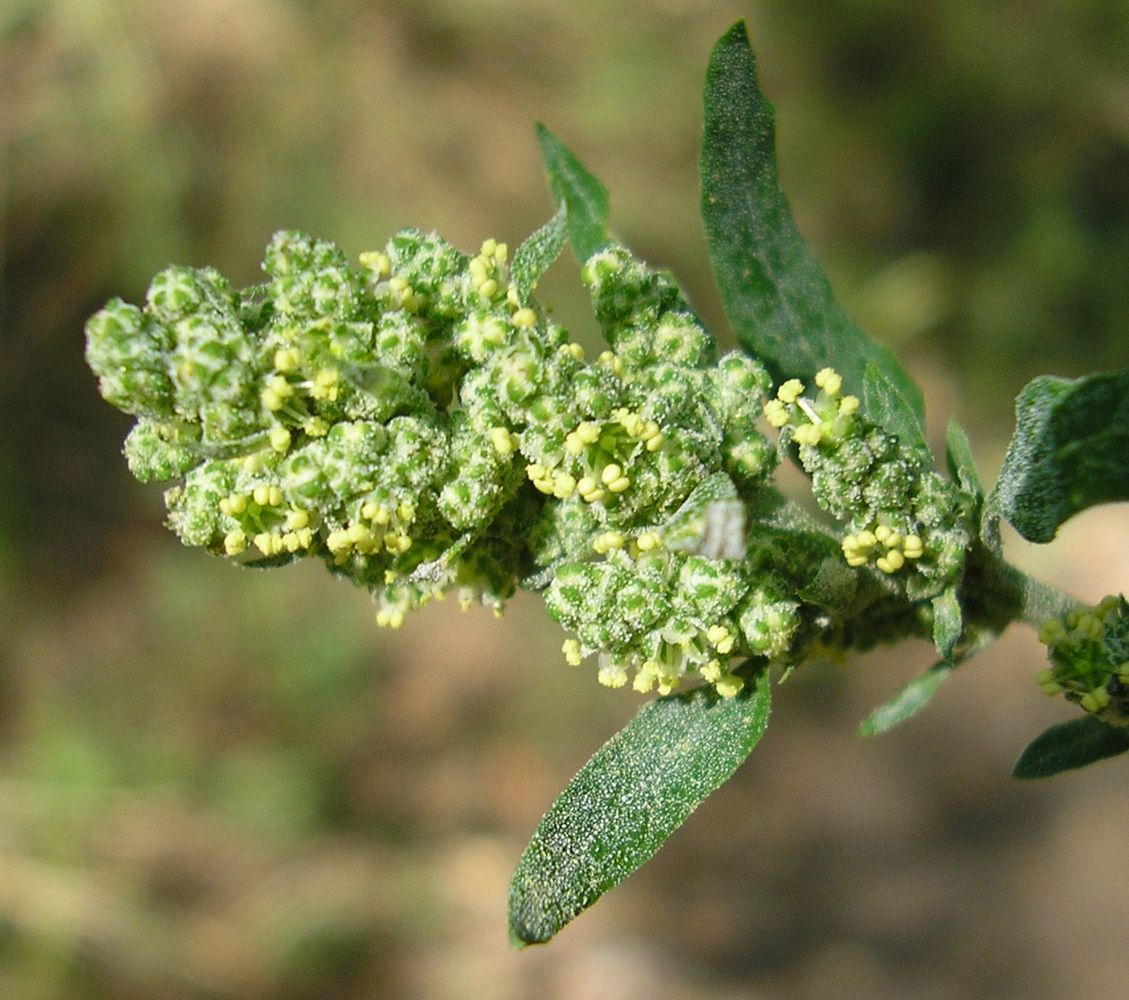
(524, 317)
(790, 391)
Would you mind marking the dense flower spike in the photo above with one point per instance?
(1089, 654)
(421, 428)
(902, 518)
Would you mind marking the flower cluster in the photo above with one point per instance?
(901, 517)
(421, 427)
(419, 423)
(1089, 654)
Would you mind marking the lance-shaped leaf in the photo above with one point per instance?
(585, 198)
(635, 792)
(538, 252)
(775, 294)
(1071, 745)
(907, 702)
(1068, 453)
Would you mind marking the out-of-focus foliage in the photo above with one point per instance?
(213, 786)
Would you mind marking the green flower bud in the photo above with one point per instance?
(128, 351)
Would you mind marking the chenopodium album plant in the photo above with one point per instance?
(420, 423)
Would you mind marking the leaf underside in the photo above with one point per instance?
(907, 702)
(1070, 451)
(635, 792)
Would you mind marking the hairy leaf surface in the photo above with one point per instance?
(1071, 745)
(775, 293)
(1070, 451)
(635, 792)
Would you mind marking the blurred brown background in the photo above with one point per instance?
(216, 784)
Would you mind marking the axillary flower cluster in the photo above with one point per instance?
(423, 426)
(1089, 654)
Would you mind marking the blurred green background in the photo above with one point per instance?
(219, 784)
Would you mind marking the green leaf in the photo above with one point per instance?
(775, 294)
(907, 702)
(958, 453)
(585, 199)
(1069, 451)
(538, 252)
(634, 793)
(948, 622)
(1069, 746)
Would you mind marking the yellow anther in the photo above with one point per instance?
(612, 360)
(479, 270)
(613, 675)
(274, 495)
(261, 495)
(730, 686)
(856, 560)
(610, 473)
(619, 485)
(501, 252)
(305, 536)
(631, 422)
(324, 385)
(571, 650)
(358, 534)
(809, 434)
(489, 245)
(488, 289)
(369, 509)
(264, 542)
(882, 532)
(829, 380)
(711, 671)
(790, 391)
(279, 438)
(297, 518)
(286, 359)
(253, 464)
(912, 547)
(338, 541)
(512, 296)
(563, 485)
(720, 638)
(776, 413)
(655, 441)
(271, 400)
(407, 511)
(316, 427)
(390, 618)
(524, 317)
(866, 539)
(891, 562)
(588, 431)
(290, 541)
(397, 544)
(376, 262)
(848, 405)
(607, 541)
(589, 490)
(505, 443)
(648, 540)
(575, 350)
(234, 542)
(535, 471)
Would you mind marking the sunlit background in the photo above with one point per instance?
(222, 784)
